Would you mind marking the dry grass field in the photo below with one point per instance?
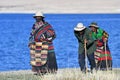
(62, 74)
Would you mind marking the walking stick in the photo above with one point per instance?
(106, 55)
(85, 54)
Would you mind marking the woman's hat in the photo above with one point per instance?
(93, 24)
(79, 27)
(38, 13)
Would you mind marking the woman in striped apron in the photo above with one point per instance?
(102, 54)
(42, 55)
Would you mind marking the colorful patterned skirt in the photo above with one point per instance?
(103, 57)
(43, 58)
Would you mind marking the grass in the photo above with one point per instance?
(62, 74)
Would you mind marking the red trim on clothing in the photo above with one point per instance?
(40, 32)
(104, 58)
(51, 32)
(99, 43)
(50, 47)
(103, 52)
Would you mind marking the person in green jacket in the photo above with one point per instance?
(102, 54)
(86, 46)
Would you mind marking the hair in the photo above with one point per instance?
(43, 19)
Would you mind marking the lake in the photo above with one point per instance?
(15, 30)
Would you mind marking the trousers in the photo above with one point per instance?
(91, 59)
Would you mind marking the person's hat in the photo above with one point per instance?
(38, 13)
(93, 24)
(79, 27)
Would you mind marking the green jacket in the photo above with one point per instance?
(99, 35)
(91, 45)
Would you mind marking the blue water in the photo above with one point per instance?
(15, 29)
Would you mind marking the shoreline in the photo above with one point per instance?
(30, 71)
(32, 12)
